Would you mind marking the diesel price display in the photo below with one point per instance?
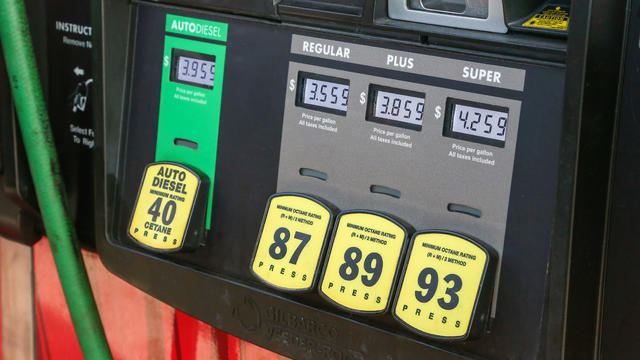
(320, 92)
(192, 68)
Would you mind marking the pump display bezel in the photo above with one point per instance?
(175, 59)
(303, 76)
(447, 129)
(372, 100)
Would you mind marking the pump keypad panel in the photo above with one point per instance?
(393, 152)
(326, 154)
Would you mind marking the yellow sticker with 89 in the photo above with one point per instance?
(363, 261)
(440, 286)
(291, 242)
(164, 206)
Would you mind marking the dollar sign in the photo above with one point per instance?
(438, 112)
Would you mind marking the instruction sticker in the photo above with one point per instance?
(164, 205)
(551, 17)
(441, 284)
(363, 262)
(291, 242)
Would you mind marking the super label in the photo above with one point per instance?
(291, 242)
(441, 285)
(363, 261)
(164, 206)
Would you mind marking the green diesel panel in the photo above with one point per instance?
(191, 112)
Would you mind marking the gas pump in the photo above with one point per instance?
(618, 332)
(61, 31)
(361, 179)
(20, 219)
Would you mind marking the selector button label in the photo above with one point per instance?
(363, 261)
(164, 206)
(441, 285)
(291, 242)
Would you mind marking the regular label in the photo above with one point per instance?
(440, 286)
(291, 242)
(363, 261)
(164, 206)
(552, 17)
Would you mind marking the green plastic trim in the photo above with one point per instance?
(190, 112)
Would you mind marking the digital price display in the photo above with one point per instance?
(292, 241)
(396, 107)
(191, 68)
(446, 287)
(480, 123)
(363, 262)
(321, 92)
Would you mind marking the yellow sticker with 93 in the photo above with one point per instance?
(441, 284)
(291, 243)
(363, 262)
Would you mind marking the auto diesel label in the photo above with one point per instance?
(164, 206)
(196, 27)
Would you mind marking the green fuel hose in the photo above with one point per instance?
(43, 162)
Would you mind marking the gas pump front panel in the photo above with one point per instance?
(364, 198)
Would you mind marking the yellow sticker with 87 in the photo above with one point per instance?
(363, 261)
(440, 286)
(291, 242)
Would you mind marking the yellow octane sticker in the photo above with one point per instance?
(552, 17)
(363, 261)
(291, 242)
(164, 205)
(440, 286)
